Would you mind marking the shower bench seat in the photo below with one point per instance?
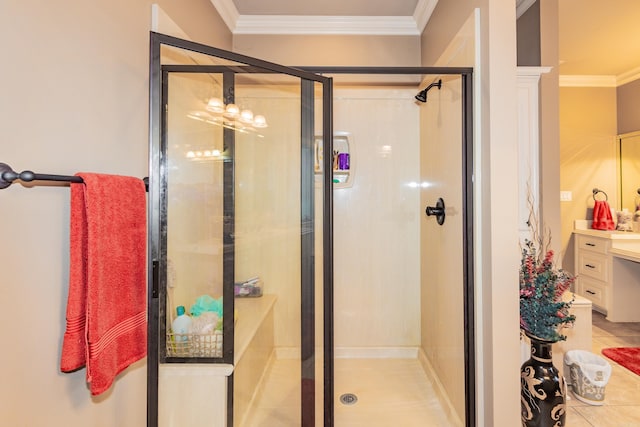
(198, 391)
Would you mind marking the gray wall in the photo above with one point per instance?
(528, 28)
(628, 107)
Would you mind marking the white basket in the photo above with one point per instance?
(588, 375)
(194, 345)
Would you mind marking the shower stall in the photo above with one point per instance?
(316, 226)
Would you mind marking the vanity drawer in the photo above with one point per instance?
(593, 244)
(593, 265)
(594, 291)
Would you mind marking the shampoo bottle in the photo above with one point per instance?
(181, 324)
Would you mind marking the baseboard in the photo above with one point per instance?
(376, 353)
(447, 406)
(355, 352)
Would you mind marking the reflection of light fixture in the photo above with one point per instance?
(215, 105)
(229, 116)
(231, 111)
(246, 116)
(259, 121)
(203, 155)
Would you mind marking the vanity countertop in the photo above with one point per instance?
(584, 227)
(610, 234)
(626, 249)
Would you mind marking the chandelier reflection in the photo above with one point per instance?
(230, 116)
(204, 154)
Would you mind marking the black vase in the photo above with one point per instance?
(542, 388)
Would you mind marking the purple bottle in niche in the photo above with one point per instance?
(343, 161)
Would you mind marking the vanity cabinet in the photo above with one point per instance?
(593, 263)
(602, 263)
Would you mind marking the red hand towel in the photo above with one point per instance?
(602, 218)
(106, 307)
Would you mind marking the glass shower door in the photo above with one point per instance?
(234, 238)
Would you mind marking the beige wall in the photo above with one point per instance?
(587, 155)
(331, 50)
(199, 20)
(74, 98)
(441, 245)
(496, 197)
(549, 123)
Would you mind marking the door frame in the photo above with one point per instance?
(466, 74)
(312, 74)
(157, 175)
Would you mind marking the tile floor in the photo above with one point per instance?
(622, 394)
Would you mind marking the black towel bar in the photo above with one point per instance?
(8, 175)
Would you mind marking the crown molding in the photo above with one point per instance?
(327, 25)
(628, 76)
(527, 71)
(587, 81)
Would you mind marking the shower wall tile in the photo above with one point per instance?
(376, 221)
(267, 181)
(442, 249)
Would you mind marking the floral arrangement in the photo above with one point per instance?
(543, 311)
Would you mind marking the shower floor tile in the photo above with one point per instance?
(389, 392)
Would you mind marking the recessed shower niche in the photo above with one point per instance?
(342, 159)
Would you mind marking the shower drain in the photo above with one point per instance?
(348, 399)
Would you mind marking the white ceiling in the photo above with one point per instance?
(379, 17)
(596, 38)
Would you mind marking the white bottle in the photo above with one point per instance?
(181, 325)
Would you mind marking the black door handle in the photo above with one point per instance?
(437, 211)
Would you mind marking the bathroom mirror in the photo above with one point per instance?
(629, 170)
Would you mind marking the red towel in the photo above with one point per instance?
(602, 218)
(106, 307)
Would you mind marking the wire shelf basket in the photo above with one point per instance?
(194, 345)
